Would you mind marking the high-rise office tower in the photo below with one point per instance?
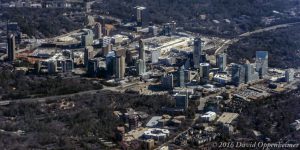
(204, 70)
(141, 50)
(72, 55)
(62, 64)
(120, 67)
(110, 58)
(106, 49)
(11, 50)
(169, 28)
(141, 63)
(262, 63)
(106, 31)
(98, 30)
(139, 15)
(181, 76)
(37, 67)
(155, 56)
(221, 61)
(88, 54)
(52, 67)
(88, 6)
(238, 74)
(168, 81)
(182, 101)
(133, 121)
(87, 38)
(250, 73)
(93, 67)
(197, 52)
(140, 66)
(69, 65)
(289, 75)
(203, 58)
(187, 64)
(153, 30)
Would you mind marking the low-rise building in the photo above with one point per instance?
(227, 118)
(209, 116)
(157, 134)
(222, 78)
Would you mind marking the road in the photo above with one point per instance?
(44, 99)
(121, 88)
(179, 134)
(229, 42)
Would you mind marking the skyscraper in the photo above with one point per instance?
(155, 56)
(182, 101)
(221, 61)
(120, 67)
(88, 54)
(141, 63)
(11, 50)
(98, 30)
(250, 73)
(197, 52)
(153, 30)
(140, 67)
(133, 121)
(87, 38)
(289, 75)
(62, 65)
(181, 76)
(139, 15)
(168, 81)
(204, 70)
(106, 49)
(93, 67)
(238, 74)
(69, 65)
(52, 67)
(262, 63)
(110, 58)
(141, 50)
(203, 58)
(169, 29)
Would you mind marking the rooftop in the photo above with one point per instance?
(227, 118)
(153, 121)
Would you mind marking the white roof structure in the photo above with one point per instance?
(209, 114)
(227, 118)
(140, 7)
(157, 134)
(153, 121)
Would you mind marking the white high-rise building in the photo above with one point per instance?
(262, 62)
(120, 67)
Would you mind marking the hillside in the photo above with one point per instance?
(41, 23)
(283, 46)
(71, 123)
(201, 15)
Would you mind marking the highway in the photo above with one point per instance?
(121, 88)
(229, 42)
(49, 98)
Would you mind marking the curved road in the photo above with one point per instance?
(227, 43)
